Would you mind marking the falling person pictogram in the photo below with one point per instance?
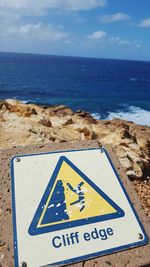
(77, 190)
(71, 199)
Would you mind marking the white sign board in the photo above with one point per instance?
(70, 206)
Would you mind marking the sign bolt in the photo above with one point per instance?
(140, 236)
(17, 159)
(24, 264)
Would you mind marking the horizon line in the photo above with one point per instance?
(72, 56)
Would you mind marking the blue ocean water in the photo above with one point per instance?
(104, 87)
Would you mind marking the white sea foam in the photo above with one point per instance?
(25, 101)
(135, 114)
(133, 79)
(97, 116)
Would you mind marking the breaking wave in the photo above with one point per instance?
(135, 114)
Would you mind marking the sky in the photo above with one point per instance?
(91, 28)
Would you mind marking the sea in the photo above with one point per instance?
(106, 88)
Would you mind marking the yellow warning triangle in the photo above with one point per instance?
(71, 199)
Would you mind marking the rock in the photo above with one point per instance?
(24, 124)
(86, 133)
(148, 202)
(2, 243)
(69, 121)
(59, 121)
(12, 102)
(86, 116)
(126, 163)
(22, 111)
(94, 135)
(20, 108)
(59, 110)
(46, 122)
(2, 118)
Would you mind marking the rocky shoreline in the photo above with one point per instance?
(24, 124)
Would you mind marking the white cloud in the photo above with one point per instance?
(37, 31)
(30, 28)
(115, 39)
(40, 7)
(6, 13)
(81, 4)
(13, 13)
(138, 44)
(119, 41)
(108, 18)
(145, 23)
(98, 35)
(125, 42)
(108, 40)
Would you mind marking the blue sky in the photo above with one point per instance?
(91, 28)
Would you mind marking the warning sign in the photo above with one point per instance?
(70, 206)
(71, 199)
